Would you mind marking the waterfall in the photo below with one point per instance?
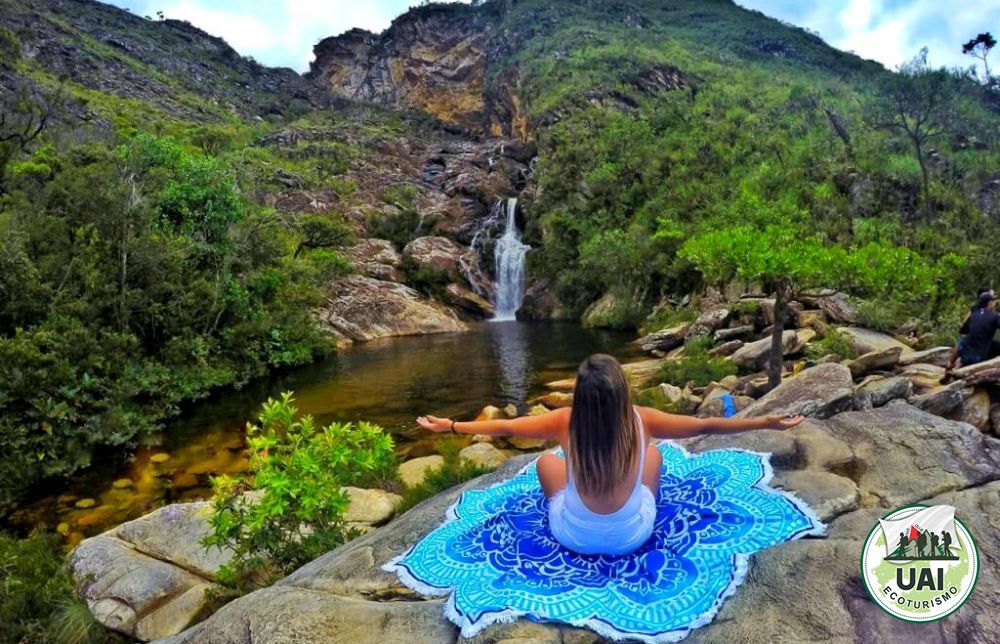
(509, 255)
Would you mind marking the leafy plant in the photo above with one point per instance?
(288, 509)
(835, 342)
(697, 366)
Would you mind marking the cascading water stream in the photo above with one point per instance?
(509, 255)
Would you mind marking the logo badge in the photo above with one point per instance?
(920, 563)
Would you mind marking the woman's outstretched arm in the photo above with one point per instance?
(544, 426)
(663, 425)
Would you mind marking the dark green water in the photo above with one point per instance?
(388, 382)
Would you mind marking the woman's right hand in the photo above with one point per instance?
(434, 424)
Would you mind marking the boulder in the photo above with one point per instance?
(712, 404)
(556, 400)
(974, 410)
(361, 308)
(664, 339)
(565, 385)
(604, 313)
(937, 356)
(491, 412)
(755, 354)
(459, 296)
(483, 454)
(438, 253)
(370, 507)
(981, 372)
(734, 333)
(874, 361)
(726, 348)
(879, 391)
(866, 341)
(810, 319)
(942, 400)
(413, 472)
(836, 306)
(376, 258)
(925, 377)
(851, 468)
(540, 302)
(148, 578)
(707, 323)
(819, 392)
(995, 418)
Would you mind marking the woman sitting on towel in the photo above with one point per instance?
(603, 494)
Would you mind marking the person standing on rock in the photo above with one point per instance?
(603, 493)
(984, 319)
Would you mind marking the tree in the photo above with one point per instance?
(323, 231)
(918, 102)
(979, 47)
(297, 473)
(787, 260)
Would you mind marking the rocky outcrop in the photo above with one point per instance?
(664, 339)
(362, 308)
(822, 391)
(875, 361)
(755, 354)
(439, 254)
(432, 58)
(850, 468)
(376, 258)
(868, 341)
(148, 578)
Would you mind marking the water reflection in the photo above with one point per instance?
(510, 352)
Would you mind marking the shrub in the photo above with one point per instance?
(37, 603)
(452, 472)
(288, 509)
(697, 366)
(667, 316)
(884, 316)
(836, 343)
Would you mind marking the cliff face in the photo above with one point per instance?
(432, 58)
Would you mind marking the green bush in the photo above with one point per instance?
(288, 509)
(430, 280)
(37, 603)
(667, 316)
(696, 366)
(836, 343)
(452, 472)
(884, 316)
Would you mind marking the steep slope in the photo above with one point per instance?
(168, 64)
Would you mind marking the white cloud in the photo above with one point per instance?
(891, 31)
(276, 32)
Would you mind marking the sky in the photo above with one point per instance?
(281, 33)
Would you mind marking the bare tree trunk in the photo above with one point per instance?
(775, 363)
(924, 174)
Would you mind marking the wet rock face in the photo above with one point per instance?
(432, 58)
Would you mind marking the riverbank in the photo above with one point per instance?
(387, 381)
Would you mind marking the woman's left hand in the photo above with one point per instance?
(435, 424)
(782, 421)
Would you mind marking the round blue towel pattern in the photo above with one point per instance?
(497, 559)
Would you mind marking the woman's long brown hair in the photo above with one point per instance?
(602, 426)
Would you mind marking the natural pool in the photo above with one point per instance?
(388, 382)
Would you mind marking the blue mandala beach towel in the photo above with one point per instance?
(497, 559)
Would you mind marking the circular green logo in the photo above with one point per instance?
(920, 563)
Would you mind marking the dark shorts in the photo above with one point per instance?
(969, 357)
